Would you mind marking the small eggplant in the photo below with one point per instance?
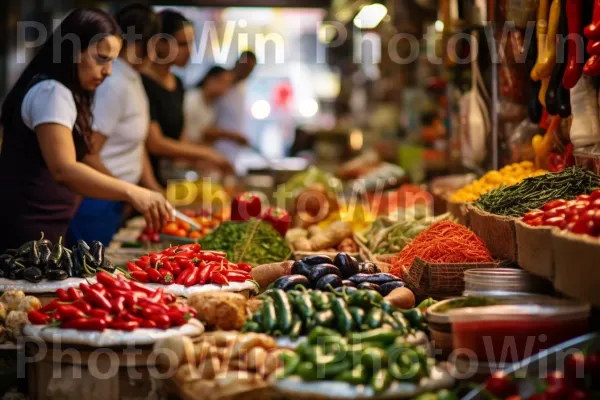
(348, 283)
(321, 270)
(33, 274)
(83, 244)
(346, 289)
(368, 268)
(386, 288)
(379, 278)
(56, 255)
(5, 263)
(348, 265)
(301, 268)
(369, 286)
(325, 281)
(66, 262)
(316, 260)
(25, 249)
(45, 248)
(16, 274)
(289, 282)
(97, 250)
(11, 252)
(56, 275)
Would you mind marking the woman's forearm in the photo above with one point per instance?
(94, 161)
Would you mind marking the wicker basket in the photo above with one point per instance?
(460, 211)
(426, 278)
(535, 251)
(496, 231)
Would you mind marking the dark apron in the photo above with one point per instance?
(31, 201)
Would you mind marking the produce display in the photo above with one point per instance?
(247, 206)
(40, 259)
(532, 193)
(377, 358)
(444, 242)
(112, 303)
(317, 239)
(223, 310)
(507, 176)
(183, 229)
(14, 306)
(253, 242)
(580, 215)
(387, 236)
(298, 312)
(187, 265)
(227, 361)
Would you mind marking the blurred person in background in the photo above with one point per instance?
(231, 108)
(200, 109)
(47, 119)
(166, 96)
(121, 121)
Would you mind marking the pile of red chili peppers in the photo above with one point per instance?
(188, 265)
(112, 303)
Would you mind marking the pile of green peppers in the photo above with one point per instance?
(39, 259)
(298, 312)
(377, 357)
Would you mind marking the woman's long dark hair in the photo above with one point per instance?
(172, 21)
(213, 72)
(58, 61)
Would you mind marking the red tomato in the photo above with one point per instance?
(584, 228)
(584, 197)
(181, 233)
(595, 194)
(553, 204)
(595, 203)
(533, 214)
(574, 369)
(500, 385)
(555, 377)
(575, 209)
(592, 366)
(587, 215)
(551, 214)
(536, 221)
(560, 222)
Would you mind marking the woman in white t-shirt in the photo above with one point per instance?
(47, 122)
(200, 109)
(121, 122)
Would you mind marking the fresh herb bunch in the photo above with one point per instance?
(532, 193)
(253, 242)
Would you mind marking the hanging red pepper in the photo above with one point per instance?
(592, 31)
(245, 206)
(85, 324)
(279, 219)
(575, 46)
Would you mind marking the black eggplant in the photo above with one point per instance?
(33, 274)
(83, 244)
(331, 279)
(56, 255)
(16, 274)
(348, 265)
(83, 262)
(347, 289)
(369, 286)
(6, 261)
(31, 252)
(348, 283)
(301, 268)
(367, 268)
(386, 288)
(108, 266)
(11, 252)
(45, 247)
(25, 249)
(289, 282)
(97, 250)
(379, 278)
(66, 262)
(316, 260)
(321, 270)
(56, 275)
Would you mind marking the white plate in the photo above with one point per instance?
(185, 291)
(295, 387)
(419, 338)
(110, 337)
(44, 286)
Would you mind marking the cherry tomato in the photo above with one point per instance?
(171, 229)
(500, 385)
(560, 222)
(536, 221)
(595, 194)
(181, 233)
(533, 214)
(587, 215)
(552, 214)
(584, 197)
(584, 228)
(574, 369)
(553, 204)
(595, 203)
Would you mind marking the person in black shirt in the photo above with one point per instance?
(165, 93)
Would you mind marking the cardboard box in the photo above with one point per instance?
(496, 231)
(535, 250)
(577, 266)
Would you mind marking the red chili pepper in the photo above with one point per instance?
(74, 294)
(156, 296)
(166, 264)
(82, 305)
(118, 304)
(154, 275)
(175, 269)
(85, 288)
(69, 313)
(140, 288)
(204, 274)
(178, 318)
(111, 282)
(244, 267)
(140, 276)
(55, 316)
(218, 278)
(192, 278)
(124, 325)
(194, 247)
(127, 316)
(210, 257)
(167, 276)
(146, 323)
(161, 308)
(184, 263)
(97, 299)
(169, 298)
(131, 267)
(99, 313)
(233, 276)
(155, 259)
(85, 324)
(63, 295)
(162, 320)
(50, 306)
(183, 276)
(170, 251)
(98, 287)
(38, 318)
(142, 263)
(183, 255)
